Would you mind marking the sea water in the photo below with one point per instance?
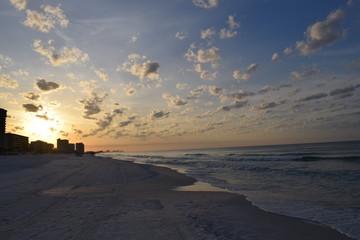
(318, 181)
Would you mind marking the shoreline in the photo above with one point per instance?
(91, 197)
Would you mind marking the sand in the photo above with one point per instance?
(70, 197)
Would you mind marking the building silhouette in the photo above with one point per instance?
(16, 143)
(2, 127)
(80, 148)
(63, 146)
(40, 147)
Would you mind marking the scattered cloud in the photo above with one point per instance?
(156, 114)
(44, 116)
(181, 86)
(322, 33)
(19, 4)
(206, 3)
(304, 74)
(230, 32)
(45, 86)
(145, 70)
(102, 75)
(135, 37)
(131, 91)
(7, 81)
(208, 33)
(105, 122)
(5, 95)
(312, 97)
(57, 58)
(234, 105)
(211, 55)
(31, 96)
(32, 108)
(345, 92)
(267, 89)
(238, 75)
(92, 104)
(174, 101)
(45, 21)
(213, 90)
(181, 35)
(275, 57)
(204, 74)
(265, 106)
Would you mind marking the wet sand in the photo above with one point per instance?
(69, 197)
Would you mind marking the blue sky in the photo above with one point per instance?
(140, 75)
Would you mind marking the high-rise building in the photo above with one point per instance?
(41, 147)
(64, 146)
(16, 143)
(80, 148)
(2, 127)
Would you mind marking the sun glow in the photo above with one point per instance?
(42, 129)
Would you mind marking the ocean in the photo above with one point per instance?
(318, 181)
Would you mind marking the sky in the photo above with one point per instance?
(140, 75)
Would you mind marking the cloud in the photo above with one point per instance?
(105, 122)
(238, 75)
(125, 123)
(288, 51)
(5, 95)
(206, 3)
(174, 101)
(181, 86)
(7, 82)
(345, 92)
(19, 4)
(239, 95)
(31, 96)
(92, 104)
(208, 33)
(304, 74)
(47, 20)
(131, 91)
(45, 86)
(267, 89)
(44, 116)
(135, 37)
(264, 106)
(275, 57)
(322, 33)
(211, 55)
(205, 74)
(231, 32)
(312, 97)
(213, 90)
(156, 114)
(234, 105)
(181, 35)
(102, 75)
(32, 108)
(145, 70)
(57, 58)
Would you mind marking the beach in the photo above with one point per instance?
(88, 197)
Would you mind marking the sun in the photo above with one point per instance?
(42, 129)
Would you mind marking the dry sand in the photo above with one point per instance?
(69, 197)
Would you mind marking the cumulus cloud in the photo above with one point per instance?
(131, 91)
(156, 114)
(230, 32)
(31, 96)
(92, 104)
(275, 57)
(174, 101)
(206, 3)
(239, 75)
(19, 4)
(345, 92)
(213, 90)
(44, 116)
(181, 35)
(57, 58)
(45, 86)
(304, 74)
(312, 97)
(265, 106)
(181, 86)
(234, 105)
(211, 55)
(125, 123)
(267, 89)
(288, 51)
(205, 74)
(208, 33)
(135, 37)
(45, 21)
(32, 108)
(7, 81)
(322, 33)
(105, 122)
(102, 75)
(144, 70)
